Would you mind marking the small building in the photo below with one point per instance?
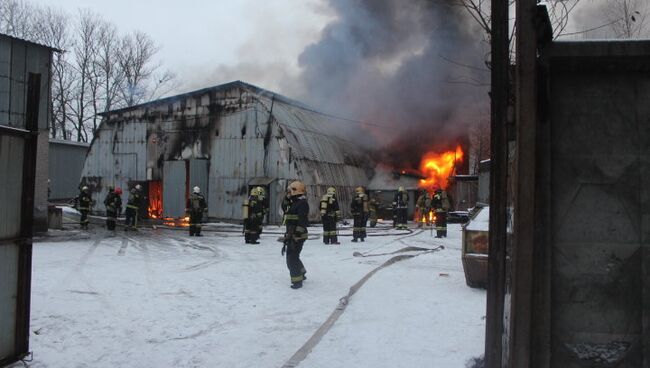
(24, 115)
(225, 139)
(463, 190)
(66, 160)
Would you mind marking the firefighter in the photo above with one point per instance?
(296, 233)
(441, 204)
(84, 202)
(286, 203)
(359, 209)
(133, 205)
(423, 209)
(253, 214)
(400, 208)
(261, 194)
(195, 208)
(113, 203)
(374, 204)
(330, 214)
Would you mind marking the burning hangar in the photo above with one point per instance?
(225, 139)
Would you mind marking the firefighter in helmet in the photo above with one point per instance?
(84, 203)
(359, 209)
(133, 206)
(423, 209)
(374, 204)
(442, 205)
(113, 203)
(400, 208)
(261, 195)
(195, 207)
(330, 214)
(296, 233)
(253, 214)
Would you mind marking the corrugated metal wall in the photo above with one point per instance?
(24, 83)
(230, 126)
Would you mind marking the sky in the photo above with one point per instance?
(158, 298)
(223, 38)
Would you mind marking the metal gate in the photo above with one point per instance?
(178, 178)
(174, 188)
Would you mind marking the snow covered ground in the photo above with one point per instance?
(159, 298)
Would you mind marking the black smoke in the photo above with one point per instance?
(413, 70)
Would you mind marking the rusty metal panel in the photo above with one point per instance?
(8, 292)
(11, 181)
(174, 189)
(18, 87)
(5, 80)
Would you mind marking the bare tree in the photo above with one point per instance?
(16, 19)
(627, 17)
(479, 142)
(135, 58)
(97, 71)
(51, 27)
(109, 71)
(85, 49)
(480, 11)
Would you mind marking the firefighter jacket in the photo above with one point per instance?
(135, 200)
(359, 205)
(196, 204)
(329, 206)
(286, 203)
(254, 208)
(113, 203)
(424, 203)
(374, 204)
(441, 202)
(297, 219)
(401, 200)
(84, 201)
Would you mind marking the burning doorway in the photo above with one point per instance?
(179, 177)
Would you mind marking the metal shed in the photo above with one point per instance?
(24, 116)
(223, 139)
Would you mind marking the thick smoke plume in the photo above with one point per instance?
(411, 70)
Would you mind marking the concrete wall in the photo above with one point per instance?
(596, 169)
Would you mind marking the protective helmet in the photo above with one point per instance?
(260, 191)
(297, 187)
(118, 190)
(138, 187)
(359, 190)
(196, 190)
(110, 188)
(400, 189)
(331, 191)
(84, 188)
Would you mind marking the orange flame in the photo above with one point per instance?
(155, 200)
(437, 167)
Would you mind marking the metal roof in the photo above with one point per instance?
(29, 42)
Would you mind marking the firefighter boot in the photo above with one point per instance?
(296, 285)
